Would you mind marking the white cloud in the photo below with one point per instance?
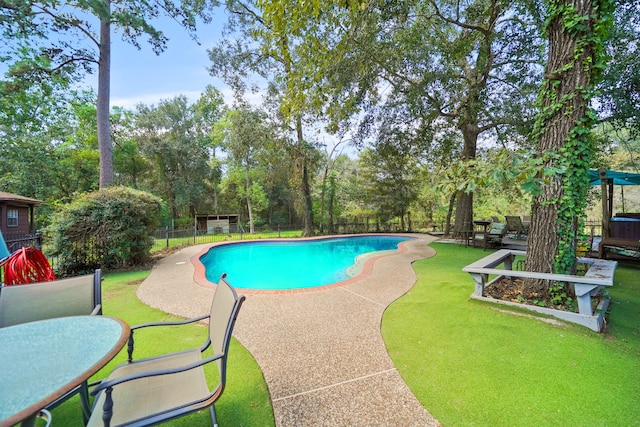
(152, 98)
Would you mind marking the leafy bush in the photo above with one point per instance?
(183, 222)
(111, 228)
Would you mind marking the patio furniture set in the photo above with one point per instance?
(490, 233)
(621, 240)
(53, 339)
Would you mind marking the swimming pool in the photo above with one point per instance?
(284, 265)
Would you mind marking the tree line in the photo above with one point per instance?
(207, 157)
(434, 93)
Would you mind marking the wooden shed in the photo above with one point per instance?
(217, 223)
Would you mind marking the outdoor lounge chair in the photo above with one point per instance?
(516, 227)
(156, 389)
(491, 237)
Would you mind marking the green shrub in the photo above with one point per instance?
(111, 228)
(183, 222)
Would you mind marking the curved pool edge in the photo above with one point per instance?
(363, 383)
(199, 274)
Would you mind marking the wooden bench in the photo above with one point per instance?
(619, 246)
(599, 275)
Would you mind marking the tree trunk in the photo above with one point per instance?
(542, 242)
(563, 103)
(464, 214)
(306, 188)
(307, 206)
(250, 211)
(323, 195)
(464, 207)
(174, 207)
(102, 111)
(476, 77)
(332, 193)
(247, 187)
(447, 225)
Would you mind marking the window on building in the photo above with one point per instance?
(12, 217)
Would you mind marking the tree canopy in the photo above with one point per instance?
(437, 99)
(61, 41)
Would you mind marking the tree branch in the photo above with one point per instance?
(438, 13)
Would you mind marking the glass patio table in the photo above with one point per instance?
(44, 360)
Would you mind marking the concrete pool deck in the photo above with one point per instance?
(321, 352)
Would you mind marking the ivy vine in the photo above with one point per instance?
(569, 164)
(573, 159)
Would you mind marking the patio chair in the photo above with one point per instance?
(72, 296)
(156, 389)
(491, 237)
(515, 226)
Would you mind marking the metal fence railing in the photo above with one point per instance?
(17, 241)
(593, 227)
(167, 237)
(88, 254)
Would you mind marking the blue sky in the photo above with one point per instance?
(141, 76)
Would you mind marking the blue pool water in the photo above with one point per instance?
(286, 265)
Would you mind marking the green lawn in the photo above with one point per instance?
(245, 401)
(471, 363)
(163, 243)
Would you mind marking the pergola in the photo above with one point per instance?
(607, 180)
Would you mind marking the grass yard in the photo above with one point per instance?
(245, 401)
(471, 363)
(163, 243)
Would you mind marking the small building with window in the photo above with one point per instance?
(217, 223)
(16, 214)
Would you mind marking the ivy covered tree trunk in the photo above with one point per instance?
(576, 29)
